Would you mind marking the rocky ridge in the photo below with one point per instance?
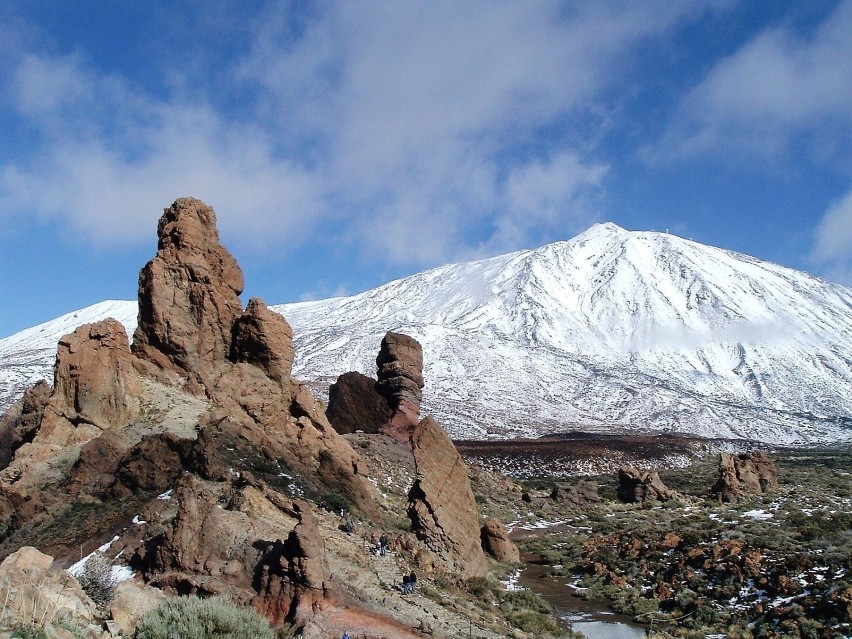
(201, 401)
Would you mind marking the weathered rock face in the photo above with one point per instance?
(744, 474)
(354, 404)
(20, 423)
(441, 505)
(496, 542)
(32, 590)
(400, 373)
(94, 379)
(636, 486)
(264, 338)
(292, 575)
(581, 495)
(188, 296)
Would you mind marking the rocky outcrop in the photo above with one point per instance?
(441, 505)
(496, 542)
(32, 590)
(400, 373)
(581, 495)
(264, 339)
(638, 486)
(744, 474)
(354, 404)
(292, 576)
(19, 424)
(188, 296)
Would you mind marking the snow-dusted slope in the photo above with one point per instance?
(611, 330)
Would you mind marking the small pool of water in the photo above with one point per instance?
(593, 618)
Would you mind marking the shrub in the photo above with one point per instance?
(193, 618)
(97, 580)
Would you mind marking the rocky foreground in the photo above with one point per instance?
(194, 460)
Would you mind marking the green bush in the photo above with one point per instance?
(193, 618)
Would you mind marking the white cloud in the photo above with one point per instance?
(775, 87)
(833, 244)
(395, 126)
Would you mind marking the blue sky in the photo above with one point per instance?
(344, 144)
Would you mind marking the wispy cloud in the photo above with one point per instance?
(778, 87)
(833, 243)
(406, 129)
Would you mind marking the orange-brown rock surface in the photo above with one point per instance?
(20, 423)
(637, 486)
(744, 474)
(264, 338)
(188, 296)
(354, 404)
(400, 373)
(441, 505)
(496, 542)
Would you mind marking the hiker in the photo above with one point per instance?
(383, 544)
(412, 581)
(406, 584)
(350, 526)
(345, 635)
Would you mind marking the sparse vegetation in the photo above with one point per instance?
(193, 618)
(97, 580)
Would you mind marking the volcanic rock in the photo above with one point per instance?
(636, 486)
(744, 474)
(188, 296)
(354, 404)
(441, 505)
(400, 373)
(292, 575)
(19, 424)
(496, 542)
(581, 495)
(264, 338)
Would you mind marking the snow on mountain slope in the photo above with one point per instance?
(612, 330)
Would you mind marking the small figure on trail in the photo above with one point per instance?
(350, 526)
(412, 581)
(383, 544)
(406, 584)
(345, 635)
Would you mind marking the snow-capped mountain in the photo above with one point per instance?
(613, 331)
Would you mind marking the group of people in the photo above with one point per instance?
(409, 583)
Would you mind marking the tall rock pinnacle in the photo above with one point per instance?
(188, 295)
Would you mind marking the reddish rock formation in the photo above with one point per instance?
(354, 404)
(292, 575)
(743, 474)
(636, 486)
(496, 542)
(20, 423)
(188, 296)
(264, 338)
(441, 505)
(400, 372)
(582, 495)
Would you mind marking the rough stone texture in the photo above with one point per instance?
(292, 576)
(744, 474)
(441, 505)
(496, 542)
(354, 404)
(400, 373)
(581, 495)
(188, 296)
(637, 486)
(19, 424)
(32, 589)
(264, 338)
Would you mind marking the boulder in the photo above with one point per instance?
(354, 404)
(188, 296)
(400, 381)
(33, 590)
(637, 486)
(581, 495)
(19, 423)
(264, 339)
(496, 542)
(441, 505)
(750, 473)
